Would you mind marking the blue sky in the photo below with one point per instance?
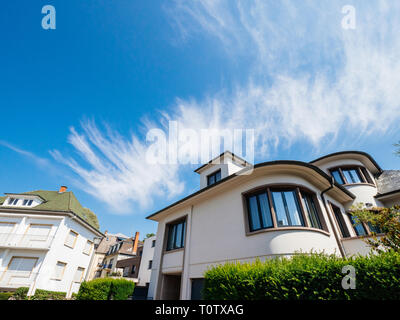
(88, 91)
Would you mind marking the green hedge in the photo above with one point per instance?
(21, 293)
(106, 289)
(6, 295)
(41, 294)
(305, 277)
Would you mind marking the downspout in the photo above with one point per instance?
(330, 218)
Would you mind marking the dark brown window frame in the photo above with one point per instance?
(362, 173)
(214, 174)
(283, 187)
(366, 227)
(166, 237)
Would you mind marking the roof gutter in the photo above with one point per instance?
(339, 243)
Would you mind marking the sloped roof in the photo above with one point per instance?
(63, 202)
(388, 181)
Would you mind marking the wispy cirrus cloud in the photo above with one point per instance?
(41, 162)
(308, 80)
(113, 169)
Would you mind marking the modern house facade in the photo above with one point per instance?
(277, 208)
(46, 241)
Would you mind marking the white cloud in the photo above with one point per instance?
(115, 169)
(309, 80)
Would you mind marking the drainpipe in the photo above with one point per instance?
(337, 238)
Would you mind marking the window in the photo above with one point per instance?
(214, 177)
(351, 175)
(311, 211)
(374, 229)
(133, 269)
(358, 227)
(27, 202)
(78, 277)
(38, 232)
(88, 247)
(153, 243)
(340, 221)
(13, 201)
(176, 235)
(285, 206)
(150, 264)
(259, 212)
(59, 270)
(71, 239)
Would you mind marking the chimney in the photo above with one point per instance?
(62, 189)
(135, 242)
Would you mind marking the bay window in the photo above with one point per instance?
(351, 175)
(274, 207)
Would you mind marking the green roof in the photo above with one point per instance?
(64, 202)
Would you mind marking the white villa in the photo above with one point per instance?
(282, 207)
(46, 241)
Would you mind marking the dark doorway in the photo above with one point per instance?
(197, 289)
(171, 287)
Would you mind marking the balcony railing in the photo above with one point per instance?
(16, 279)
(12, 240)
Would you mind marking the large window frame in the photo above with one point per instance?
(343, 175)
(176, 235)
(304, 214)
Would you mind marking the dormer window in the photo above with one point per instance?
(27, 202)
(351, 175)
(214, 177)
(12, 201)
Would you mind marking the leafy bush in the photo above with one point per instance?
(41, 294)
(6, 295)
(105, 289)
(21, 293)
(305, 277)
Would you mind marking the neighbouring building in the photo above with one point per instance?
(112, 249)
(46, 241)
(280, 208)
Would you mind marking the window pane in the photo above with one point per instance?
(337, 176)
(254, 216)
(265, 211)
(311, 211)
(178, 242)
(293, 207)
(352, 176)
(171, 237)
(359, 228)
(366, 175)
(375, 229)
(279, 207)
(217, 176)
(211, 179)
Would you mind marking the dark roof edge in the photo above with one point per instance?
(349, 152)
(387, 193)
(233, 156)
(259, 165)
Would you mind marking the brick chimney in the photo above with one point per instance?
(135, 242)
(62, 189)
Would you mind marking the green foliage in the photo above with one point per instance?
(41, 294)
(305, 277)
(385, 219)
(149, 235)
(6, 295)
(21, 293)
(105, 289)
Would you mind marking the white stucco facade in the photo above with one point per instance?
(217, 221)
(147, 259)
(44, 258)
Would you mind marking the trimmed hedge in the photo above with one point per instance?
(21, 293)
(106, 289)
(6, 295)
(306, 277)
(41, 294)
